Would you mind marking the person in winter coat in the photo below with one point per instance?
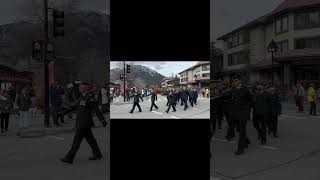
(24, 103)
(6, 106)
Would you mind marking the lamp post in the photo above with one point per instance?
(272, 48)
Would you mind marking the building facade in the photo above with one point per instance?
(295, 27)
(197, 75)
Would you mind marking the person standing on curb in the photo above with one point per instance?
(24, 103)
(6, 106)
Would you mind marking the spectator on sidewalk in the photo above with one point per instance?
(312, 98)
(24, 104)
(295, 93)
(6, 106)
(300, 95)
(207, 92)
(103, 99)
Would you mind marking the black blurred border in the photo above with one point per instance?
(160, 31)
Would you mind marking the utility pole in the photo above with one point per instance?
(45, 64)
(124, 81)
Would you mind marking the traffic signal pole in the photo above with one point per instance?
(45, 64)
(124, 81)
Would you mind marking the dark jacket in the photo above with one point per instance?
(56, 96)
(24, 102)
(153, 96)
(136, 97)
(6, 105)
(184, 94)
(275, 104)
(261, 103)
(84, 108)
(170, 98)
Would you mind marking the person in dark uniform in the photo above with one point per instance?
(184, 98)
(191, 96)
(136, 96)
(261, 105)
(84, 107)
(167, 94)
(176, 97)
(275, 110)
(195, 93)
(227, 107)
(241, 113)
(153, 98)
(171, 102)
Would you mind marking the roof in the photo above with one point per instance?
(298, 54)
(284, 7)
(198, 64)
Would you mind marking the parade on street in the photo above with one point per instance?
(141, 92)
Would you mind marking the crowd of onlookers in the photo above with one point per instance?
(310, 93)
(23, 103)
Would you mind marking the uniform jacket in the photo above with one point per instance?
(312, 95)
(136, 97)
(153, 96)
(84, 108)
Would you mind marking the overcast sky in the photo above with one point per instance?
(226, 15)
(9, 8)
(162, 67)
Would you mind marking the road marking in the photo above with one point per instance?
(294, 117)
(174, 117)
(269, 147)
(233, 142)
(156, 112)
(56, 137)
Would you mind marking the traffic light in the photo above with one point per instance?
(36, 49)
(121, 77)
(58, 23)
(128, 68)
(51, 50)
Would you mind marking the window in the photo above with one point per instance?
(238, 58)
(307, 43)
(206, 67)
(307, 20)
(206, 75)
(281, 25)
(238, 39)
(283, 46)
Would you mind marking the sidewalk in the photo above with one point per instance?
(36, 127)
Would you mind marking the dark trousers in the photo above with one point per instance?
(78, 137)
(55, 110)
(173, 107)
(241, 118)
(274, 122)
(153, 104)
(300, 101)
(212, 127)
(104, 108)
(313, 110)
(260, 124)
(230, 131)
(195, 101)
(134, 106)
(191, 101)
(4, 117)
(184, 102)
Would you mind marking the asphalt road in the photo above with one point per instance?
(121, 110)
(38, 158)
(294, 155)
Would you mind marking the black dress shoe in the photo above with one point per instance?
(131, 112)
(239, 152)
(173, 111)
(167, 111)
(65, 160)
(95, 158)
(275, 135)
(247, 141)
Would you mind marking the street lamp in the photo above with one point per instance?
(272, 48)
